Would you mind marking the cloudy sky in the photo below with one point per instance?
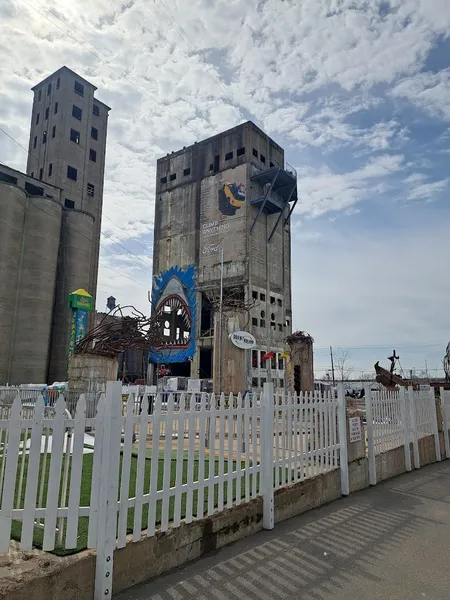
(356, 91)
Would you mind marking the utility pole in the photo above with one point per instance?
(332, 365)
(219, 357)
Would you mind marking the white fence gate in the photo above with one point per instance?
(152, 463)
(399, 418)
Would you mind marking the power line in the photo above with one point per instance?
(79, 232)
(125, 231)
(14, 140)
(387, 346)
(133, 81)
(126, 249)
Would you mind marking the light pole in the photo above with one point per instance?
(219, 353)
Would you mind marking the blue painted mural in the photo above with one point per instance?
(174, 296)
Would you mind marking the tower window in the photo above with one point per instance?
(56, 108)
(254, 322)
(262, 297)
(90, 189)
(37, 119)
(240, 152)
(255, 152)
(47, 110)
(74, 136)
(228, 156)
(78, 88)
(77, 112)
(96, 110)
(163, 180)
(94, 133)
(173, 176)
(263, 158)
(41, 172)
(54, 131)
(39, 95)
(44, 137)
(92, 155)
(58, 83)
(186, 172)
(35, 141)
(69, 203)
(255, 295)
(216, 162)
(280, 302)
(271, 164)
(262, 323)
(71, 173)
(49, 89)
(50, 169)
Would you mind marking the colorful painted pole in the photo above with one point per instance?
(81, 303)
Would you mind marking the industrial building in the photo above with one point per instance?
(50, 220)
(222, 260)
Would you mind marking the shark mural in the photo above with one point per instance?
(174, 297)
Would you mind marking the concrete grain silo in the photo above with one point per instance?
(36, 287)
(73, 274)
(12, 216)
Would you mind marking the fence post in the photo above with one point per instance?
(343, 450)
(109, 487)
(445, 419)
(370, 436)
(405, 420)
(267, 484)
(412, 405)
(434, 423)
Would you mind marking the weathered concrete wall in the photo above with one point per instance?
(302, 357)
(90, 372)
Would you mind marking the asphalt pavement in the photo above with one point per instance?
(389, 542)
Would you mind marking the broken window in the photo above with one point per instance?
(74, 136)
(77, 113)
(186, 172)
(173, 176)
(78, 88)
(240, 151)
(228, 156)
(255, 152)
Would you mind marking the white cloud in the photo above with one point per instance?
(321, 191)
(430, 91)
(319, 74)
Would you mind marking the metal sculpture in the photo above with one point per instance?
(446, 363)
(118, 332)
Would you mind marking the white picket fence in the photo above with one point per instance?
(68, 490)
(398, 419)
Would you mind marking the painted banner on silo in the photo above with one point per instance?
(223, 220)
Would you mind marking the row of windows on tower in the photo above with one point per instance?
(216, 164)
(72, 173)
(74, 137)
(77, 112)
(78, 88)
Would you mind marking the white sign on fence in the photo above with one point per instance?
(354, 425)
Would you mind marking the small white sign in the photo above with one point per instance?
(243, 340)
(354, 424)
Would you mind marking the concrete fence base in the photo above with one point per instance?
(72, 578)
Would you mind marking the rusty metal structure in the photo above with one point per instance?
(446, 363)
(118, 332)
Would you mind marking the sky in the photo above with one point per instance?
(356, 91)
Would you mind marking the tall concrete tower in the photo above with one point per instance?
(67, 149)
(222, 259)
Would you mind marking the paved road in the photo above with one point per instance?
(391, 542)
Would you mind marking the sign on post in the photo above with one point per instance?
(354, 425)
(243, 340)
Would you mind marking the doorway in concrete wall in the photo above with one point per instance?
(181, 369)
(206, 363)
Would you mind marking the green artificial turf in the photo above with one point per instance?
(83, 523)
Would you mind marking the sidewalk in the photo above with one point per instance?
(390, 542)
